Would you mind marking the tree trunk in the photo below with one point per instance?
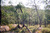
(29, 20)
(27, 28)
(45, 22)
(21, 10)
(23, 22)
(17, 18)
(45, 10)
(37, 13)
(35, 21)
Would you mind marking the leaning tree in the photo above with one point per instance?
(19, 6)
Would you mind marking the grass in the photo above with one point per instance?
(46, 30)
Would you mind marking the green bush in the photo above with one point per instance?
(24, 30)
(46, 30)
(17, 30)
(34, 30)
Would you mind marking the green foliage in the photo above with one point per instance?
(47, 13)
(31, 28)
(7, 17)
(24, 31)
(11, 15)
(3, 13)
(4, 20)
(18, 30)
(19, 6)
(34, 30)
(8, 8)
(24, 16)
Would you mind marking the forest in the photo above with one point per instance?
(21, 19)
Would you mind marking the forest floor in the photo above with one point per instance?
(31, 28)
(39, 30)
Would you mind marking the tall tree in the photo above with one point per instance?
(34, 5)
(37, 13)
(19, 6)
(47, 11)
